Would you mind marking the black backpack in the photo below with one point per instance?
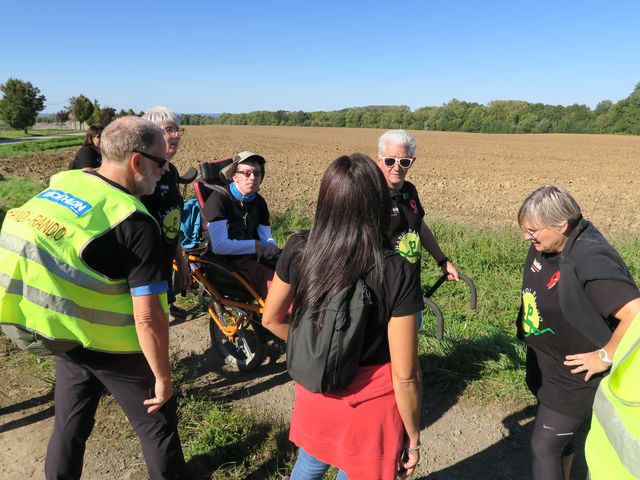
(325, 359)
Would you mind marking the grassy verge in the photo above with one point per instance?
(226, 443)
(16, 191)
(12, 133)
(27, 148)
(479, 357)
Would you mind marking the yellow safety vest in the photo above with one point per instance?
(45, 286)
(612, 447)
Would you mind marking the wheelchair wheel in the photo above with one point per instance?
(246, 350)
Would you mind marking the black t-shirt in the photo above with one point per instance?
(87, 157)
(402, 296)
(552, 337)
(130, 250)
(165, 204)
(407, 215)
(242, 218)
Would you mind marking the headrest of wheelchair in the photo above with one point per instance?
(210, 171)
(188, 177)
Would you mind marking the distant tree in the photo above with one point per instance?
(627, 113)
(81, 107)
(108, 115)
(122, 113)
(130, 112)
(603, 107)
(62, 116)
(21, 103)
(96, 115)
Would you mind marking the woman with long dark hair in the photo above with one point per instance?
(370, 429)
(89, 155)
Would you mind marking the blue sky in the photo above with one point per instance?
(223, 56)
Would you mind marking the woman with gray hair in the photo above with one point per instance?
(166, 203)
(578, 299)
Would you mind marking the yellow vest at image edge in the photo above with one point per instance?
(45, 286)
(612, 448)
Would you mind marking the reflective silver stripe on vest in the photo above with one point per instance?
(627, 354)
(622, 440)
(63, 270)
(63, 305)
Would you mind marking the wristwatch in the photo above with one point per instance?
(604, 356)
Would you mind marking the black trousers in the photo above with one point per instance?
(552, 439)
(81, 378)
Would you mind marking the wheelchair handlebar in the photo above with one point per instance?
(473, 301)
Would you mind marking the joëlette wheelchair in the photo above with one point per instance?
(234, 306)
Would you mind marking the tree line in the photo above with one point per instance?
(81, 109)
(498, 116)
(22, 102)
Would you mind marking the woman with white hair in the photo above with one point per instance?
(166, 203)
(578, 299)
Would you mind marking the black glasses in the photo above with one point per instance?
(174, 131)
(159, 160)
(248, 173)
(405, 162)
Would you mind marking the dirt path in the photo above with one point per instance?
(461, 440)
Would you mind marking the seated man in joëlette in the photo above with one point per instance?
(239, 221)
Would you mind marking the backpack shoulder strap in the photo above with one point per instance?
(219, 189)
(388, 253)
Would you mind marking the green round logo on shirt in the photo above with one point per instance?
(531, 316)
(408, 245)
(171, 224)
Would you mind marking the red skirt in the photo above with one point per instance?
(358, 429)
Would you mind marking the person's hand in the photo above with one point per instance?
(163, 392)
(586, 362)
(408, 463)
(259, 250)
(450, 271)
(182, 276)
(271, 250)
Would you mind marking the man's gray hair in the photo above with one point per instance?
(125, 134)
(548, 206)
(162, 116)
(398, 138)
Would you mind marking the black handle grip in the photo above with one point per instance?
(473, 302)
(439, 317)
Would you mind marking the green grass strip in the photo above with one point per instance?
(9, 150)
(16, 191)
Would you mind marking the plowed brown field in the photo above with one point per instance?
(477, 179)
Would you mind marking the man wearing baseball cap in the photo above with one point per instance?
(238, 220)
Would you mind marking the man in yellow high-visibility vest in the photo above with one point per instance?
(81, 275)
(612, 448)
